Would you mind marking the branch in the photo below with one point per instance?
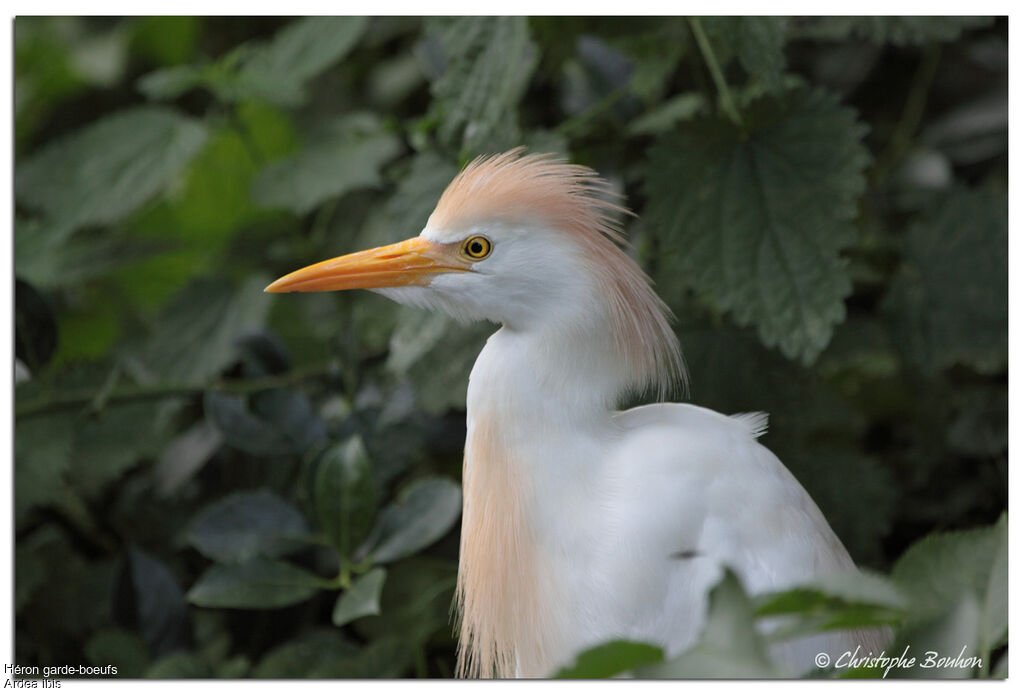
(136, 393)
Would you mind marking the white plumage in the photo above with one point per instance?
(581, 523)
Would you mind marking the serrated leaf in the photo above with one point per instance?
(422, 514)
(256, 584)
(194, 337)
(489, 64)
(279, 70)
(247, 524)
(345, 494)
(108, 169)
(337, 163)
(761, 42)
(950, 300)
(730, 645)
(937, 571)
(610, 659)
(361, 600)
(754, 219)
(854, 600)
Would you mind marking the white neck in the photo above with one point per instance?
(538, 408)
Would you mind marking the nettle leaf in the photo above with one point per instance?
(194, 337)
(755, 219)
(361, 600)
(247, 524)
(345, 494)
(297, 53)
(349, 156)
(950, 301)
(730, 645)
(420, 516)
(610, 659)
(761, 42)
(277, 71)
(900, 31)
(851, 600)
(256, 584)
(936, 572)
(101, 173)
(489, 64)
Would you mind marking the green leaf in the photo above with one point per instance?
(281, 421)
(730, 645)
(194, 337)
(108, 169)
(302, 50)
(423, 513)
(361, 600)
(666, 115)
(755, 219)
(950, 301)
(489, 64)
(302, 656)
(345, 494)
(255, 584)
(761, 42)
(342, 160)
(936, 571)
(416, 602)
(387, 657)
(102, 453)
(436, 353)
(123, 649)
(610, 659)
(157, 603)
(42, 457)
(900, 31)
(945, 646)
(247, 524)
(850, 600)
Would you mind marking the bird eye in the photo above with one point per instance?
(477, 247)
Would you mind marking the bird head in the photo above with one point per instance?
(527, 241)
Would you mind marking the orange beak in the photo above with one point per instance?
(412, 262)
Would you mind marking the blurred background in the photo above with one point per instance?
(215, 482)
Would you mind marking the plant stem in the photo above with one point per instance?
(135, 393)
(913, 110)
(724, 95)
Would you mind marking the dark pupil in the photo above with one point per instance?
(476, 248)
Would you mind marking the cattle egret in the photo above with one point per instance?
(581, 523)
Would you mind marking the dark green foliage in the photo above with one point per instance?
(211, 481)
